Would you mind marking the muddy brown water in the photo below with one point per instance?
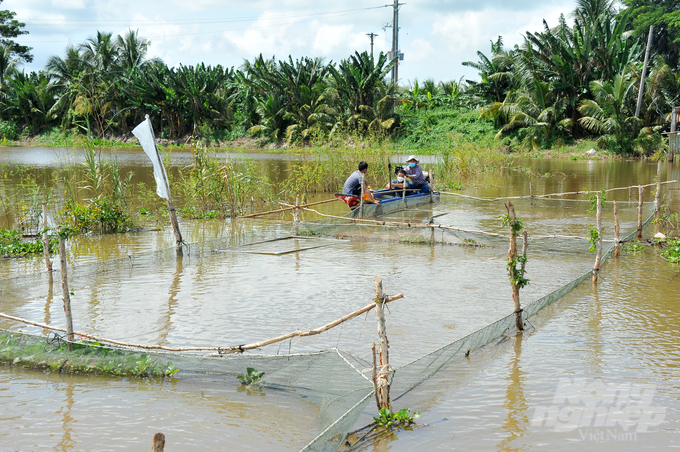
(611, 349)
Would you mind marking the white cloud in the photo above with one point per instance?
(69, 4)
(329, 38)
(436, 35)
(470, 31)
(418, 50)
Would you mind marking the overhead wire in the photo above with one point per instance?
(277, 20)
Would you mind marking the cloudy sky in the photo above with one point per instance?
(436, 36)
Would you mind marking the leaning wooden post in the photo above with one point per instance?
(641, 190)
(65, 291)
(512, 269)
(46, 239)
(617, 231)
(384, 370)
(598, 254)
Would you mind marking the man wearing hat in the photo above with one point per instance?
(415, 173)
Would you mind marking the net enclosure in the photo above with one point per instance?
(337, 381)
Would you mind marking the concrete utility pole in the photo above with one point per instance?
(644, 72)
(395, 41)
(371, 35)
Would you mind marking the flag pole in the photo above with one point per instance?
(171, 205)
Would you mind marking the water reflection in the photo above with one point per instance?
(165, 324)
(516, 421)
(48, 301)
(67, 443)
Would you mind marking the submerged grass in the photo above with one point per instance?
(53, 355)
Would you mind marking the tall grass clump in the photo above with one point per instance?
(99, 203)
(212, 188)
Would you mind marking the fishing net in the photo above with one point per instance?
(335, 380)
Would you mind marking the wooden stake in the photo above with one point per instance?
(158, 442)
(512, 257)
(639, 226)
(46, 239)
(531, 193)
(384, 370)
(598, 254)
(617, 231)
(65, 291)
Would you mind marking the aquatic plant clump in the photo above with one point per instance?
(672, 251)
(11, 244)
(52, 354)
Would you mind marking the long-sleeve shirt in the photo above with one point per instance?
(415, 174)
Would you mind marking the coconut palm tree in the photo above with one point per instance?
(610, 113)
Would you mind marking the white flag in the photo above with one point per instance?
(144, 134)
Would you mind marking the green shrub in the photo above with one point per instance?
(100, 214)
(8, 130)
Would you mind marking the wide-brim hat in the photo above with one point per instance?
(412, 157)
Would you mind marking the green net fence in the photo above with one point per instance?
(335, 380)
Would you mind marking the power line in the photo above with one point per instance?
(221, 30)
(51, 22)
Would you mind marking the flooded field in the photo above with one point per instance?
(615, 340)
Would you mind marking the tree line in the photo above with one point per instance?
(577, 78)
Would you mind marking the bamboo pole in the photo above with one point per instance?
(617, 231)
(580, 192)
(65, 291)
(259, 214)
(598, 254)
(220, 350)
(531, 192)
(512, 257)
(639, 225)
(46, 239)
(361, 201)
(158, 444)
(384, 370)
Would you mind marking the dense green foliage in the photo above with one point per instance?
(664, 15)
(579, 79)
(576, 79)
